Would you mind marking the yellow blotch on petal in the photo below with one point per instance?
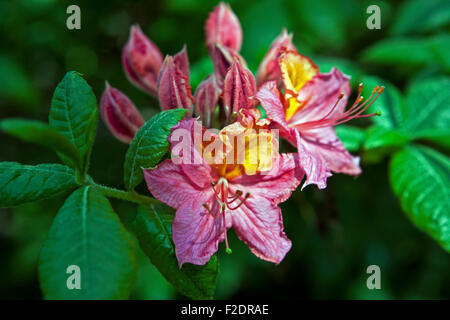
(296, 70)
(252, 150)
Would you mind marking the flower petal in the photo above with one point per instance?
(275, 185)
(319, 95)
(186, 144)
(269, 97)
(325, 142)
(196, 233)
(315, 166)
(170, 184)
(259, 224)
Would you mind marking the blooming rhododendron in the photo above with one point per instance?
(227, 171)
(312, 104)
(213, 198)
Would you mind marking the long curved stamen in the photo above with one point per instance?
(225, 197)
(227, 250)
(355, 111)
(242, 202)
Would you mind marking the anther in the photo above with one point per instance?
(207, 209)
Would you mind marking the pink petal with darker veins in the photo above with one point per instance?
(259, 224)
(269, 97)
(325, 142)
(276, 184)
(196, 233)
(319, 96)
(269, 69)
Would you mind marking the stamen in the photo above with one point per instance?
(205, 205)
(227, 250)
(355, 111)
(235, 197)
(242, 202)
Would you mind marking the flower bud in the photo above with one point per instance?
(222, 58)
(206, 100)
(141, 60)
(182, 62)
(120, 114)
(173, 88)
(269, 68)
(223, 27)
(238, 89)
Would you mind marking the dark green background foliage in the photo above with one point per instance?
(395, 215)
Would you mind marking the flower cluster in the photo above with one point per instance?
(238, 189)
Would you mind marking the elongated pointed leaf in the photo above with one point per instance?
(420, 178)
(74, 114)
(23, 183)
(40, 133)
(428, 112)
(153, 228)
(149, 145)
(88, 234)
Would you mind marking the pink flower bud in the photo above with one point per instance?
(238, 89)
(269, 68)
(206, 100)
(223, 27)
(173, 88)
(182, 62)
(120, 114)
(222, 58)
(141, 60)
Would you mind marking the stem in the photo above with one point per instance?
(126, 195)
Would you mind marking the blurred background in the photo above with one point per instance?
(336, 233)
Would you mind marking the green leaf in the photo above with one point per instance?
(428, 112)
(351, 137)
(149, 145)
(23, 183)
(74, 114)
(40, 133)
(390, 103)
(153, 228)
(421, 16)
(87, 233)
(420, 177)
(377, 137)
(411, 52)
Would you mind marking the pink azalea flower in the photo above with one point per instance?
(312, 104)
(211, 198)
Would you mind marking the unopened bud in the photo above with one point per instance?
(238, 89)
(222, 58)
(223, 27)
(173, 88)
(206, 100)
(120, 115)
(141, 60)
